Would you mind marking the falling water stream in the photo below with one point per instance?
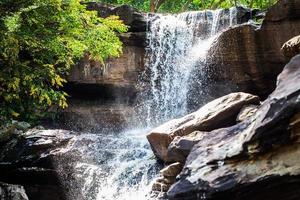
(121, 166)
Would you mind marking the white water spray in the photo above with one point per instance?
(177, 44)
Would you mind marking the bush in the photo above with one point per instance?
(40, 40)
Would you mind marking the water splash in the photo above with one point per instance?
(114, 167)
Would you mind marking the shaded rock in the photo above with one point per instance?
(12, 192)
(216, 114)
(180, 147)
(28, 160)
(249, 56)
(246, 111)
(253, 159)
(95, 116)
(291, 47)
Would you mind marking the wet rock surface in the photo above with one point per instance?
(218, 113)
(254, 158)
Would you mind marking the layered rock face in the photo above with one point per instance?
(249, 56)
(257, 158)
(102, 94)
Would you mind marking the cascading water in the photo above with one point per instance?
(178, 44)
(122, 166)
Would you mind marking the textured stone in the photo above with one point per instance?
(255, 159)
(249, 56)
(172, 170)
(216, 114)
(291, 47)
(180, 147)
(246, 111)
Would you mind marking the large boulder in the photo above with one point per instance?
(249, 56)
(216, 114)
(255, 159)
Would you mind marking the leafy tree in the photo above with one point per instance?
(184, 5)
(40, 40)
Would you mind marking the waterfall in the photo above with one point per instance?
(121, 166)
(177, 45)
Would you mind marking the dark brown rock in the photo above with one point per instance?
(27, 160)
(249, 56)
(255, 159)
(216, 114)
(291, 47)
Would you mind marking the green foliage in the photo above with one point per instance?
(40, 41)
(184, 5)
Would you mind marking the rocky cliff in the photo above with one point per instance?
(249, 55)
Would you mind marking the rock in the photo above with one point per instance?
(158, 186)
(216, 114)
(23, 126)
(169, 174)
(28, 160)
(291, 47)
(180, 147)
(116, 79)
(249, 56)
(246, 111)
(172, 170)
(255, 159)
(95, 116)
(12, 192)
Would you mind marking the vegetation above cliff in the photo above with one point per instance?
(184, 5)
(40, 40)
